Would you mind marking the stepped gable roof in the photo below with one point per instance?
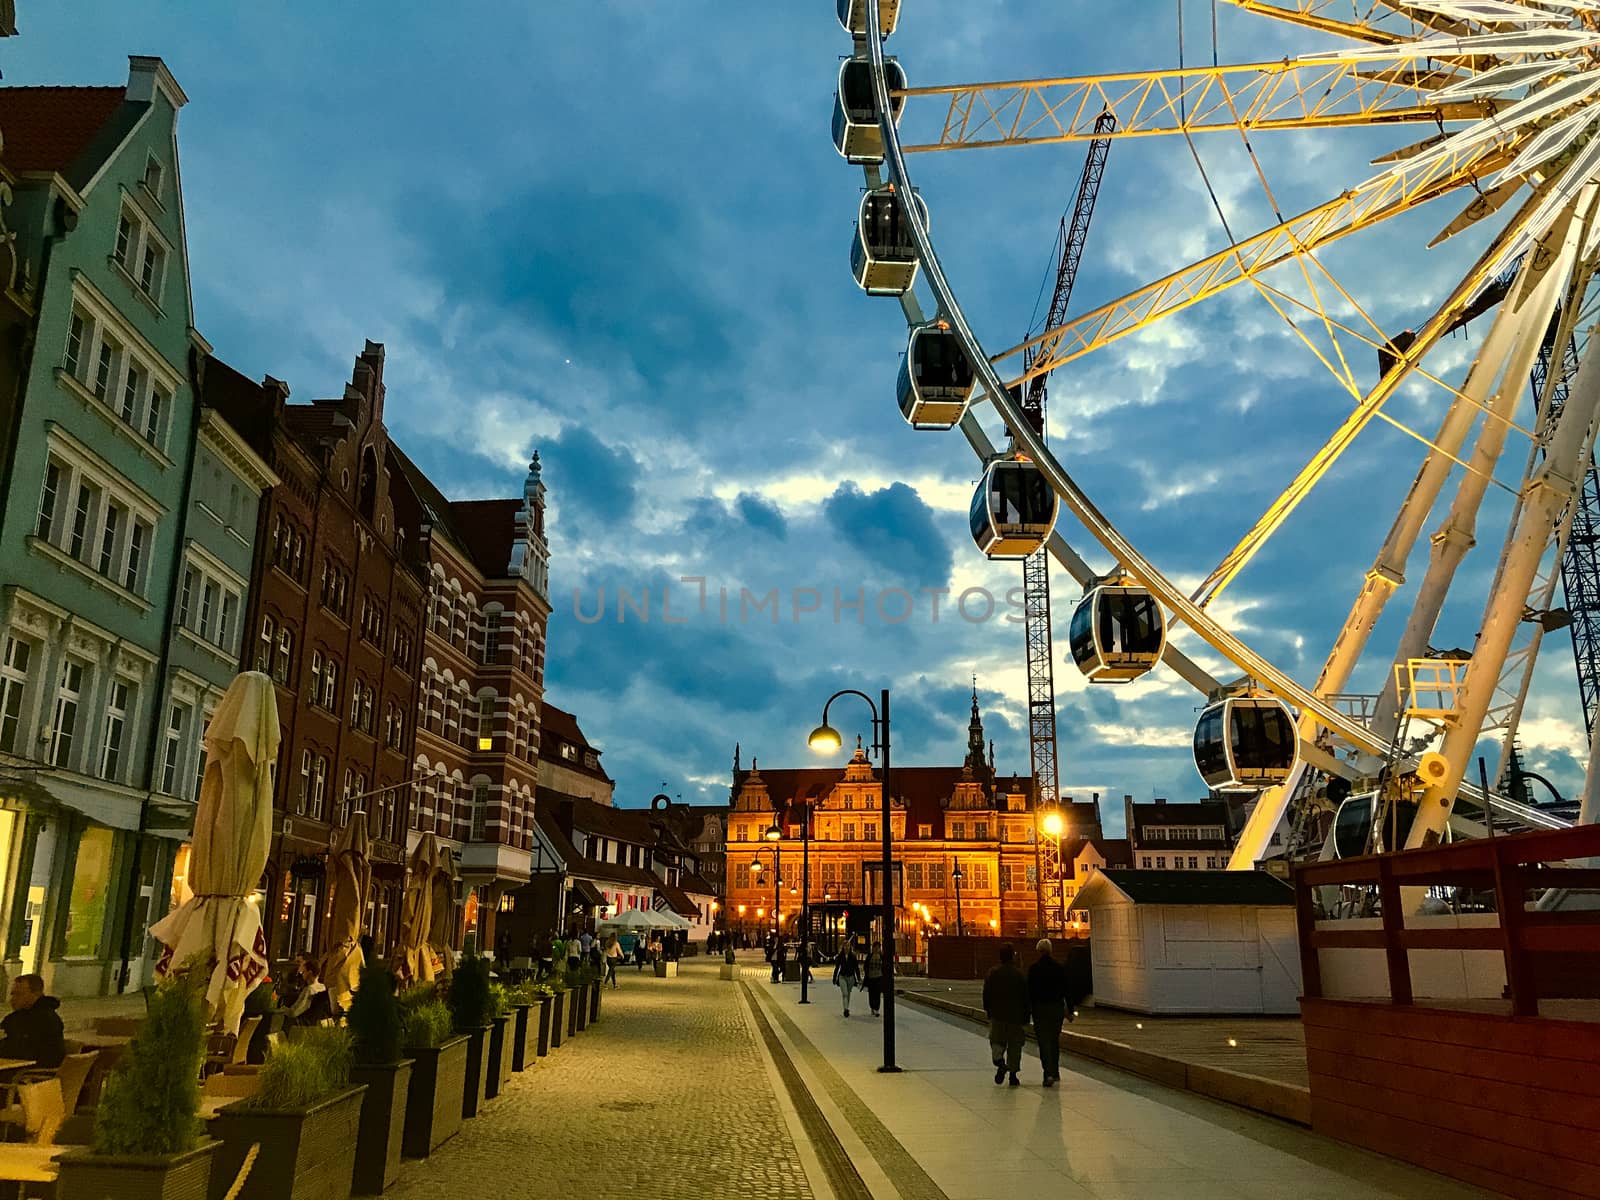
(1255, 888)
(68, 130)
(925, 790)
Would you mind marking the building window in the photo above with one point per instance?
(280, 670)
(13, 681)
(152, 178)
(1194, 862)
(139, 252)
(80, 520)
(981, 831)
(319, 785)
(200, 755)
(491, 638)
(1161, 862)
(304, 799)
(316, 676)
(45, 527)
(64, 722)
(958, 830)
(90, 900)
(77, 342)
(485, 722)
(869, 831)
(116, 718)
(480, 812)
(172, 750)
(138, 536)
(330, 686)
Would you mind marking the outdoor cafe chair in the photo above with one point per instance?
(43, 1114)
(70, 1076)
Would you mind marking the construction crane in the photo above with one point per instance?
(1074, 233)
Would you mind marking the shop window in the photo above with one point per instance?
(91, 884)
(180, 877)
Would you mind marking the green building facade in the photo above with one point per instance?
(126, 537)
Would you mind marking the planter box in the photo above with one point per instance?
(477, 1077)
(86, 1176)
(306, 1154)
(558, 1018)
(668, 969)
(584, 993)
(545, 1025)
(572, 998)
(522, 1036)
(433, 1108)
(729, 971)
(594, 1002)
(383, 1126)
(499, 1073)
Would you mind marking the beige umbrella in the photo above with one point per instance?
(416, 912)
(442, 912)
(232, 837)
(352, 867)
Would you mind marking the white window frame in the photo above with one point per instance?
(64, 728)
(143, 240)
(79, 473)
(172, 747)
(18, 653)
(119, 709)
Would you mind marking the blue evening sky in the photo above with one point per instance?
(617, 231)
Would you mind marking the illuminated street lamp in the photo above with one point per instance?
(1054, 826)
(825, 739)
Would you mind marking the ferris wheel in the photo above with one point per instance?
(1497, 101)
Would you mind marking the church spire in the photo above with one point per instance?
(975, 739)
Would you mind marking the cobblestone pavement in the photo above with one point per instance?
(667, 1097)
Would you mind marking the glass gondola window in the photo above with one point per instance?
(1130, 623)
(1020, 498)
(1211, 747)
(1263, 737)
(1080, 635)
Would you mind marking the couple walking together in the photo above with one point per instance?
(850, 969)
(1047, 995)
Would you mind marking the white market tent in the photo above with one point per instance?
(636, 919)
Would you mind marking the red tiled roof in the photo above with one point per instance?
(561, 723)
(487, 528)
(49, 128)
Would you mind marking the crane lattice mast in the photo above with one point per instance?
(1580, 561)
(1073, 235)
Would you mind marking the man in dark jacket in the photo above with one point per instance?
(1005, 1002)
(32, 1029)
(1047, 995)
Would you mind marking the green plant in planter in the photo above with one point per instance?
(301, 1073)
(523, 993)
(470, 1005)
(150, 1101)
(374, 1019)
(425, 1026)
(583, 976)
(499, 1000)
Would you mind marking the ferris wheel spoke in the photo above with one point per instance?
(1380, 24)
(1371, 404)
(1380, 198)
(1249, 96)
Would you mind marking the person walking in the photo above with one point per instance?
(780, 959)
(847, 973)
(613, 960)
(873, 970)
(1047, 997)
(641, 952)
(1005, 1003)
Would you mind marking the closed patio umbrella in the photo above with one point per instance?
(232, 837)
(416, 910)
(352, 868)
(442, 911)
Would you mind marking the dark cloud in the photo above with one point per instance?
(594, 482)
(763, 515)
(894, 530)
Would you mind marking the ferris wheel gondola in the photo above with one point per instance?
(883, 255)
(935, 379)
(855, 117)
(1013, 510)
(1245, 743)
(1117, 634)
(853, 16)
(1360, 826)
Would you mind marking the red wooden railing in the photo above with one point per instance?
(1548, 953)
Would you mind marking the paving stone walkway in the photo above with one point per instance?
(667, 1097)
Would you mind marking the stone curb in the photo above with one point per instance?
(1282, 1100)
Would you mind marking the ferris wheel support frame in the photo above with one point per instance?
(1547, 493)
(1457, 534)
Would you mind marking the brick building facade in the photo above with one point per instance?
(481, 682)
(335, 617)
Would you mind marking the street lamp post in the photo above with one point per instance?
(956, 875)
(805, 901)
(825, 739)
